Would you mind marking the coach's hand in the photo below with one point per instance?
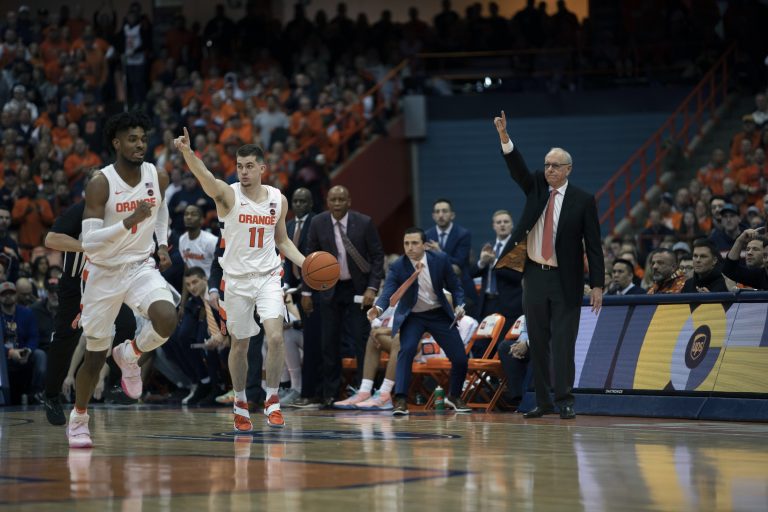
(501, 127)
(596, 299)
(307, 305)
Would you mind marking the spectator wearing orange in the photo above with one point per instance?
(712, 174)
(749, 132)
(33, 215)
(306, 123)
(53, 44)
(667, 278)
(220, 111)
(703, 216)
(80, 160)
(239, 129)
(752, 178)
(743, 159)
(198, 92)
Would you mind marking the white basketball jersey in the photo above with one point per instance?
(250, 234)
(198, 252)
(136, 244)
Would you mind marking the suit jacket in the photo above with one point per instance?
(457, 246)
(634, 290)
(508, 286)
(290, 279)
(442, 276)
(363, 235)
(578, 227)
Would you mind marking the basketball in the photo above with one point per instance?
(320, 270)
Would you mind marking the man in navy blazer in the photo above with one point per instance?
(455, 241)
(422, 308)
(501, 289)
(339, 304)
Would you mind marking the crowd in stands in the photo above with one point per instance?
(298, 90)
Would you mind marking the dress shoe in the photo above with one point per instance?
(567, 412)
(538, 412)
(400, 406)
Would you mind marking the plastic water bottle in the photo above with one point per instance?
(439, 399)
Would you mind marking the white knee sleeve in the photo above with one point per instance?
(148, 340)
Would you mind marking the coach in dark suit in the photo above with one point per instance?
(456, 241)
(415, 282)
(500, 290)
(353, 239)
(558, 222)
(311, 363)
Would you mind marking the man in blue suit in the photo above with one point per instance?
(455, 241)
(415, 282)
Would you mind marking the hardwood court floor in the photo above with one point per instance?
(153, 459)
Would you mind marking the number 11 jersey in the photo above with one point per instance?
(249, 234)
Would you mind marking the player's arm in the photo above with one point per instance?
(216, 189)
(95, 235)
(161, 222)
(283, 241)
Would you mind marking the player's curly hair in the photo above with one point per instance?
(125, 121)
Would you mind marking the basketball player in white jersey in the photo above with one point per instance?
(197, 247)
(124, 208)
(254, 218)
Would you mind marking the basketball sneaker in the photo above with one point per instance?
(242, 417)
(131, 381)
(53, 410)
(378, 402)
(226, 398)
(272, 412)
(78, 434)
(351, 402)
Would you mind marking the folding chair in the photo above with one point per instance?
(480, 393)
(440, 367)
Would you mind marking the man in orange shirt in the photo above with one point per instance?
(81, 159)
(714, 172)
(305, 122)
(750, 133)
(33, 215)
(751, 178)
(237, 128)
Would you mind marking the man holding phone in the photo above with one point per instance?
(20, 335)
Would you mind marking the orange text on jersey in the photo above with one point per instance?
(266, 220)
(129, 206)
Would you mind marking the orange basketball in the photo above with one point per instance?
(320, 270)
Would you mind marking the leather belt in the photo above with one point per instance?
(542, 266)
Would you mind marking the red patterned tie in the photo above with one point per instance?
(548, 239)
(404, 287)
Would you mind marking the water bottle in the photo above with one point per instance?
(439, 399)
(24, 399)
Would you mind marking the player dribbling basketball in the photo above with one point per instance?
(254, 219)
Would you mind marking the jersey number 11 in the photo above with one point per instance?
(260, 232)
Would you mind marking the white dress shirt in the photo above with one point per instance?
(427, 298)
(536, 235)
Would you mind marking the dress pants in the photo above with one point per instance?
(438, 324)
(551, 323)
(341, 307)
